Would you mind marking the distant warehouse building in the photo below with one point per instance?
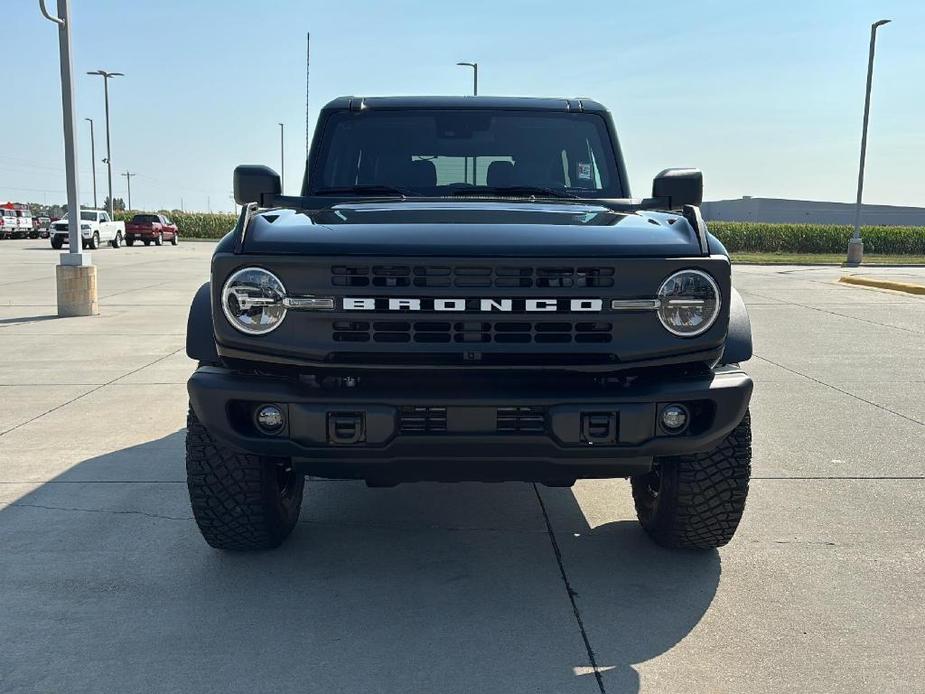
(778, 210)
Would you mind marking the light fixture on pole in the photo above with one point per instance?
(106, 77)
(856, 245)
(92, 158)
(475, 76)
(75, 276)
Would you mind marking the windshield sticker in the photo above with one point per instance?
(584, 170)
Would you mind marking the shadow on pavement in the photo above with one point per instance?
(106, 585)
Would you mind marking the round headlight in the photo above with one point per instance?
(252, 300)
(689, 303)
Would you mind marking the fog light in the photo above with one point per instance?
(269, 419)
(674, 418)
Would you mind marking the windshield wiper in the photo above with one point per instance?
(536, 191)
(362, 189)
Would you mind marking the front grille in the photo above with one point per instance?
(484, 276)
(473, 332)
(507, 420)
(422, 420)
(521, 420)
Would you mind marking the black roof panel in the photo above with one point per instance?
(522, 103)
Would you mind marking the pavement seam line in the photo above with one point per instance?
(840, 315)
(98, 510)
(89, 392)
(570, 591)
(839, 390)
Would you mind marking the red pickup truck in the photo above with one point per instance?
(151, 227)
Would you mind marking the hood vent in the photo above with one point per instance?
(479, 276)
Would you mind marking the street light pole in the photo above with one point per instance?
(93, 158)
(75, 277)
(106, 77)
(475, 92)
(475, 76)
(856, 245)
(282, 160)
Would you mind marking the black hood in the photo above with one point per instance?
(471, 228)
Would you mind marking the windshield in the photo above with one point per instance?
(447, 152)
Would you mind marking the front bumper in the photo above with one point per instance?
(470, 431)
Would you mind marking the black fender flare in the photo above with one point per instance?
(200, 336)
(739, 336)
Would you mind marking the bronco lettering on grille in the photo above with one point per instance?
(351, 303)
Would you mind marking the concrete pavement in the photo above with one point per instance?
(106, 586)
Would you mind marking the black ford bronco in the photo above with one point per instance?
(466, 290)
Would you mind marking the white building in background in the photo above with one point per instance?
(778, 210)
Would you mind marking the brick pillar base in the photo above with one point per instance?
(76, 290)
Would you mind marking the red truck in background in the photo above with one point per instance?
(151, 227)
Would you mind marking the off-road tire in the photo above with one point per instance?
(94, 242)
(117, 242)
(159, 240)
(240, 501)
(696, 501)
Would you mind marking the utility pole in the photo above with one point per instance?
(856, 245)
(75, 277)
(282, 161)
(128, 180)
(106, 77)
(92, 158)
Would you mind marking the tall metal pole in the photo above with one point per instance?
(108, 146)
(106, 77)
(128, 180)
(475, 92)
(93, 158)
(475, 76)
(855, 245)
(282, 161)
(75, 277)
(308, 55)
(63, 20)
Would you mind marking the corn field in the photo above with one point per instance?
(738, 237)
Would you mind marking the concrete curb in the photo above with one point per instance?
(906, 287)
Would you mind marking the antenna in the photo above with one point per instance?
(308, 52)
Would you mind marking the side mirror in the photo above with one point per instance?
(253, 183)
(679, 186)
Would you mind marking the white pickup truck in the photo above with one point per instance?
(95, 228)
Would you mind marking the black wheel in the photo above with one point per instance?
(159, 240)
(94, 241)
(129, 242)
(175, 239)
(240, 501)
(56, 244)
(696, 501)
(117, 242)
(147, 242)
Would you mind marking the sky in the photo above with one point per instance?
(766, 98)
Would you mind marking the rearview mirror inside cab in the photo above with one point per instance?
(680, 186)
